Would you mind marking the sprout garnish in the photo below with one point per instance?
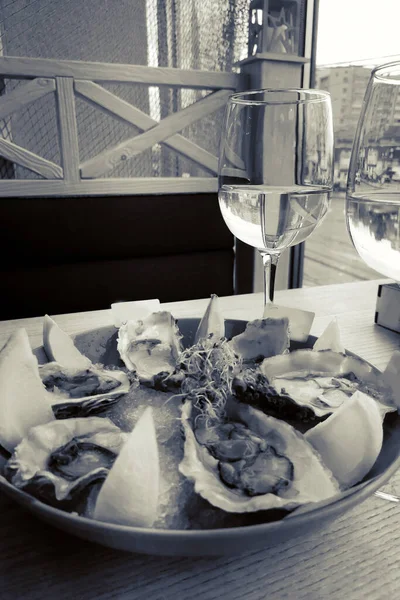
(210, 368)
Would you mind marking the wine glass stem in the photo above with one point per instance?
(270, 263)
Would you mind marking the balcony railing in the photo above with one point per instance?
(67, 80)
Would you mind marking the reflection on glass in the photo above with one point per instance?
(373, 189)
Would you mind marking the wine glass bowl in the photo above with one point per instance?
(275, 170)
(373, 185)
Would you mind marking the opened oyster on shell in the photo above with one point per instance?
(56, 461)
(83, 392)
(150, 346)
(308, 385)
(79, 388)
(245, 461)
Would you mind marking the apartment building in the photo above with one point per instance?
(347, 86)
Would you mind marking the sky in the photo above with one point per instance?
(354, 30)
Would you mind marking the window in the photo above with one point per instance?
(329, 253)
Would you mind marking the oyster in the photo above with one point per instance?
(252, 387)
(57, 460)
(248, 461)
(310, 385)
(151, 346)
(82, 392)
(79, 388)
(262, 338)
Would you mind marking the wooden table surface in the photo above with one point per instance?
(356, 557)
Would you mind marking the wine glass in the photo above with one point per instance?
(275, 170)
(373, 184)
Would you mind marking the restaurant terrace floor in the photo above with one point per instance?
(329, 253)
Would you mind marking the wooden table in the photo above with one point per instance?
(356, 557)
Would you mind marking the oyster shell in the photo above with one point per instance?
(309, 384)
(82, 392)
(151, 346)
(249, 461)
(59, 459)
(262, 338)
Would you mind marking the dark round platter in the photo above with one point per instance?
(100, 346)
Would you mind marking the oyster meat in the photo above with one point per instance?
(56, 461)
(248, 461)
(82, 392)
(151, 346)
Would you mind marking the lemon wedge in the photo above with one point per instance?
(330, 339)
(391, 376)
(24, 401)
(59, 347)
(129, 495)
(349, 441)
(212, 323)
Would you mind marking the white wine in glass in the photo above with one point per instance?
(373, 185)
(275, 170)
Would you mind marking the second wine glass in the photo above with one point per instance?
(373, 186)
(275, 170)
